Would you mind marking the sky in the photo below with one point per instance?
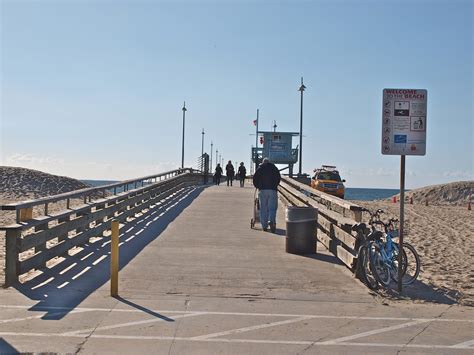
(94, 89)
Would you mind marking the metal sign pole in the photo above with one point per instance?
(402, 219)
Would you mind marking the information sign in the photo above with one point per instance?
(404, 122)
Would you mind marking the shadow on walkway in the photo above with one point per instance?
(420, 291)
(6, 348)
(62, 287)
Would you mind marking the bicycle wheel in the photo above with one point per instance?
(363, 269)
(380, 269)
(411, 263)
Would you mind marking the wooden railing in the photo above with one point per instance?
(335, 217)
(32, 241)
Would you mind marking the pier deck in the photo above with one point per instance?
(195, 278)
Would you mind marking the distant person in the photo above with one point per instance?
(266, 179)
(218, 174)
(242, 173)
(229, 172)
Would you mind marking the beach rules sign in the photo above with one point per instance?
(404, 121)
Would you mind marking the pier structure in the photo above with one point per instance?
(195, 278)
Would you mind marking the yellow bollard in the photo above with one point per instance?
(114, 259)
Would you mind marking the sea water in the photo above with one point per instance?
(352, 193)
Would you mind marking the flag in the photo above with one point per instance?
(254, 122)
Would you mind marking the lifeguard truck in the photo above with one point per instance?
(328, 180)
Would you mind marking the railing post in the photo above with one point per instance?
(11, 262)
(114, 259)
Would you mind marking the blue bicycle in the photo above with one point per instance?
(384, 256)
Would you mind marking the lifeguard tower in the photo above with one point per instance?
(278, 147)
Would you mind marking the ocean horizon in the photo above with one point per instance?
(352, 193)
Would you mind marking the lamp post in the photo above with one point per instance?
(301, 89)
(256, 143)
(217, 156)
(202, 150)
(210, 169)
(182, 146)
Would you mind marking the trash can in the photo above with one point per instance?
(301, 228)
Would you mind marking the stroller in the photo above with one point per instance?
(256, 210)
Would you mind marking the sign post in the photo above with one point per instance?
(403, 133)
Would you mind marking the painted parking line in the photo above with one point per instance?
(254, 327)
(375, 331)
(467, 344)
(246, 341)
(129, 324)
(246, 314)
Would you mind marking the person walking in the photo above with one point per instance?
(242, 173)
(229, 172)
(266, 179)
(218, 174)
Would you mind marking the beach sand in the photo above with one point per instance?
(444, 238)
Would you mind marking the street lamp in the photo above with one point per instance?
(217, 155)
(182, 146)
(301, 89)
(202, 150)
(210, 169)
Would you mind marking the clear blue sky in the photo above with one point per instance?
(94, 89)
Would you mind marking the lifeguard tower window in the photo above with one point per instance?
(276, 138)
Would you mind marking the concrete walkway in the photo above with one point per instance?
(196, 279)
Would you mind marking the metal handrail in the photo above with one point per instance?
(88, 191)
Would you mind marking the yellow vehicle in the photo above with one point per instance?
(328, 180)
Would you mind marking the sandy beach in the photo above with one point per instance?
(442, 232)
(444, 238)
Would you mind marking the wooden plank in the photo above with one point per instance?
(340, 220)
(26, 214)
(36, 261)
(345, 256)
(61, 248)
(344, 237)
(331, 202)
(324, 223)
(11, 256)
(324, 239)
(88, 191)
(80, 223)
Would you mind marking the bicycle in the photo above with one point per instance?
(384, 257)
(365, 236)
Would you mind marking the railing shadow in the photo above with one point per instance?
(60, 288)
(6, 348)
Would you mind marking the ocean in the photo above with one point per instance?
(352, 193)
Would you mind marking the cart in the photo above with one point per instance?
(256, 210)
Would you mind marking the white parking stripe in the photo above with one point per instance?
(121, 325)
(467, 344)
(48, 308)
(254, 327)
(375, 331)
(247, 341)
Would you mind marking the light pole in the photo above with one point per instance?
(217, 155)
(301, 89)
(256, 142)
(182, 146)
(202, 150)
(210, 169)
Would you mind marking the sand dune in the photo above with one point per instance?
(18, 184)
(454, 194)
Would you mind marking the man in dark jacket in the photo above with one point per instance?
(266, 180)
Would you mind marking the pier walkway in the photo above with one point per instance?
(195, 278)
